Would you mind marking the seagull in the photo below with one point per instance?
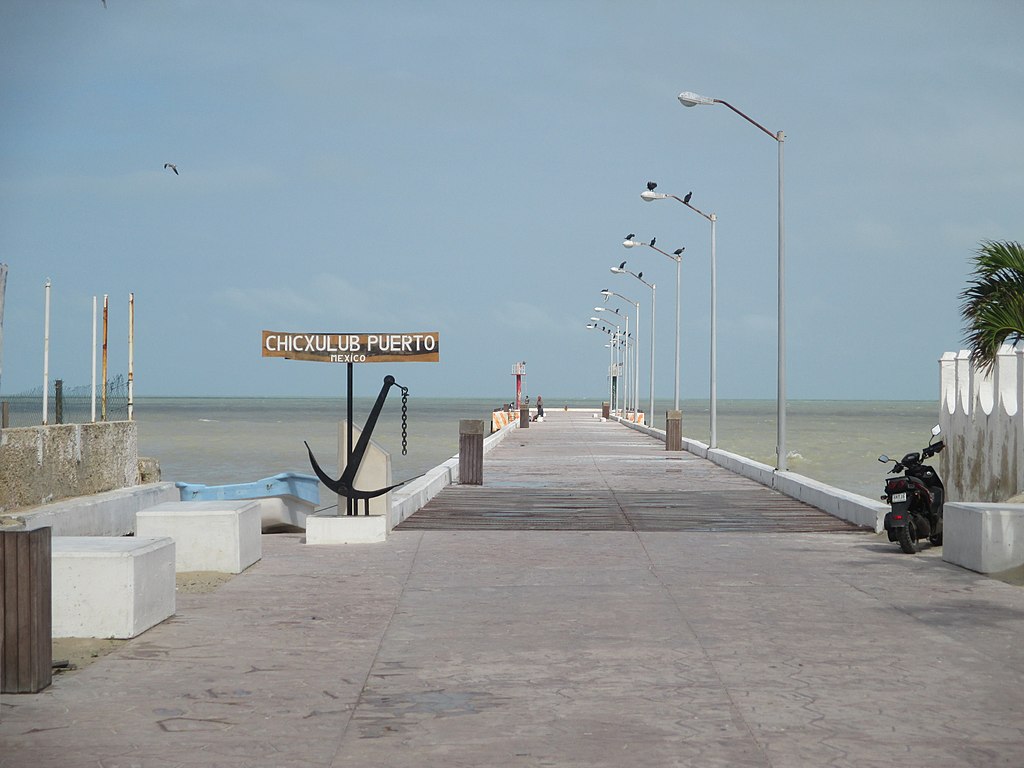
(688, 196)
(622, 265)
(680, 251)
(630, 236)
(653, 241)
(651, 186)
(172, 166)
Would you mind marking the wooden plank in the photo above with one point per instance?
(25, 602)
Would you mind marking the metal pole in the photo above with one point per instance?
(781, 418)
(679, 265)
(103, 401)
(349, 507)
(654, 291)
(714, 337)
(3, 290)
(93, 398)
(46, 351)
(131, 355)
(636, 366)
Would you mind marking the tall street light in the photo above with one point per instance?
(611, 360)
(677, 257)
(623, 339)
(636, 347)
(648, 195)
(621, 270)
(688, 99)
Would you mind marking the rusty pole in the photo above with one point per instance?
(103, 408)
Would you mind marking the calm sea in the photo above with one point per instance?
(232, 440)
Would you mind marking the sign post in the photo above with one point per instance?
(352, 349)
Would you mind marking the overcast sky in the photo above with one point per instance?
(472, 168)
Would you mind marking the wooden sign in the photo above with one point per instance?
(354, 347)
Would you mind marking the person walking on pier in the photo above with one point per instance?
(540, 407)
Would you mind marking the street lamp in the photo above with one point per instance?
(677, 257)
(688, 99)
(648, 195)
(636, 347)
(624, 340)
(621, 270)
(611, 359)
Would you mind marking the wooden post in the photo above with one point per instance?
(674, 431)
(524, 417)
(606, 410)
(5, 414)
(26, 656)
(58, 401)
(471, 451)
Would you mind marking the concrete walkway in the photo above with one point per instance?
(558, 648)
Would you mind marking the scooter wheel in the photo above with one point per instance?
(905, 540)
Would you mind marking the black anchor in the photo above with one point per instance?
(344, 485)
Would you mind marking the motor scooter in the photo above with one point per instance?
(915, 498)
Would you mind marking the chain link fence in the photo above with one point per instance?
(67, 405)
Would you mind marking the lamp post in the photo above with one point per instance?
(621, 270)
(648, 195)
(688, 99)
(636, 348)
(677, 257)
(611, 361)
(624, 340)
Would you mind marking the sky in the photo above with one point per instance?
(472, 168)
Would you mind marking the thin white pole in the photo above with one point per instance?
(781, 417)
(93, 398)
(3, 289)
(103, 398)
(46, 351)
(679, 267)
(654, 293)
(714, 337)
(131, 355)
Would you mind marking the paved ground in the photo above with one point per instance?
(558, 648)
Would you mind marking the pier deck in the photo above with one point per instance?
(574, 472)
(514, 647)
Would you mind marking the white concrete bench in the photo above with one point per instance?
(110, 586)
(208, 535)
(987, 538)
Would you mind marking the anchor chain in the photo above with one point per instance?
(405, 421)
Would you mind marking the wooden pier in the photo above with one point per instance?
(575, 472)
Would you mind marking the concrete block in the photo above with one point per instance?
(209, 535)
(987, 538)
(346, 529)
(111, 586)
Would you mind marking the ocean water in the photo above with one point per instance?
(233, 440)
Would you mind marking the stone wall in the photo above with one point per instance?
(982, 420)
(39, 465)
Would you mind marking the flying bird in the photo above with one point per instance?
(172, 166)
(641, 276)
(653, 241)
(680, 251)
(688, 196)
(651, 186)
(630, 236)
(622, 265)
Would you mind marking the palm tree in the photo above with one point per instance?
(993, 302)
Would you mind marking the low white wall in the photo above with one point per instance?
(111, 513)
(851, 507)
(987, 538)
(982, 420)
